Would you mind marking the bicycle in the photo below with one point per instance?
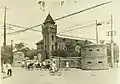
(56, 72)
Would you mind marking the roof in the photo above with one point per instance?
(39, 42)
(49, 19)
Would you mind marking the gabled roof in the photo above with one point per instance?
(49, 19)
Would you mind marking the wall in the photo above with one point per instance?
(94, 57)
(17, 58)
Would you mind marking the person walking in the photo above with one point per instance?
(9, 69)
(67, 65)
(4, 69)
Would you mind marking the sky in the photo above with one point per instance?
(27, 13)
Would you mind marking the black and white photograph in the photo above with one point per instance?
(59, 41)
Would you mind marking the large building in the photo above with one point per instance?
(51, 41)
(92, 56)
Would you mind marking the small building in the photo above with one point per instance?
(17, 58)
(94, 57)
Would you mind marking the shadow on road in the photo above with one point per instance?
(6, 77)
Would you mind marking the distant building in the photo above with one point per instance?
(94, 57)
(51, 41)
(17, 58)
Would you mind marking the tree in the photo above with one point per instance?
(19, 46)
(22, 48)
(32, 53)
(70, 46)
(6, 53)
(63, 53)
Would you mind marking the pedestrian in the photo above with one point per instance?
(4, 68)
(44, 64)
(36, 64)
(23, 64)
(67, 65)
(40, 66)
(9, 69)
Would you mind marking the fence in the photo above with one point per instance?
(74, 62)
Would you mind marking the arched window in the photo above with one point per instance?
(52, 47)
(52, 38)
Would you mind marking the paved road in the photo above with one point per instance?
(21, 76)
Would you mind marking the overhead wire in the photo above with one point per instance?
(68, 15)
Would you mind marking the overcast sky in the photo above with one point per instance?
(27, 13)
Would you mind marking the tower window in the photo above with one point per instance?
(45, 47)
(99, 61)
(52, 47)
(89, 62)
(52, 38)
(90, 49)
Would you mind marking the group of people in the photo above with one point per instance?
(7, 69)
(39, 65)
(50, 65)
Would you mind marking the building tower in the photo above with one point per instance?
(49, 30)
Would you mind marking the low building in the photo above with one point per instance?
(17, 58)
(94, 57)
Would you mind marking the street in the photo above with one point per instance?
(74, 76)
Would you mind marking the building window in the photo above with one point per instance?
(76, 40)
(52, 47)
(99, 61)
(90, 49)
(98, 49)
(52, 38)
(45, 47)
(89, 62)
(45, 39)
(63, 39)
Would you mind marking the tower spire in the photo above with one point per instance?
(49, 19)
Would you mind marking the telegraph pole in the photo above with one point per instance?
(96, 32)
(4, 44)
(11, 47)
(112, 51)
(12, 50)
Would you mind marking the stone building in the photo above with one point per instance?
(50, 39)
(94, 57)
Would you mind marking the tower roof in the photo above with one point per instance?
(49, 19)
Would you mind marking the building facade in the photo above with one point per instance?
(94, 57)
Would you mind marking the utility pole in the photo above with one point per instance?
(12, 50)
(59, 61)
(112, 51)
(96, 32)
(4, 44)
(11, 47)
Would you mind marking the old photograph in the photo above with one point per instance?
(59, 41)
